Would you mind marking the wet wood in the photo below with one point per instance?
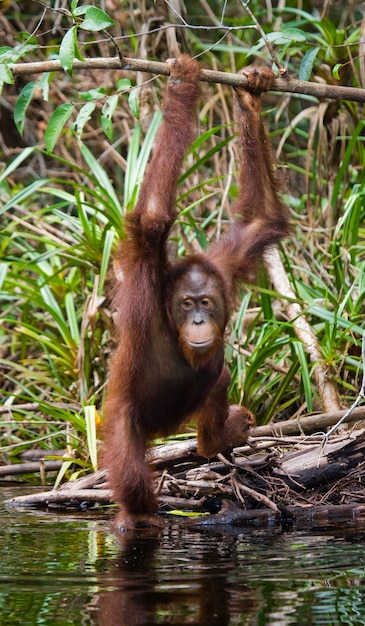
(317, 516)
(299, 481)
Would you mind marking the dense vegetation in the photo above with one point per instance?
(74, 146)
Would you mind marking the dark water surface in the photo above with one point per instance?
(71, 569)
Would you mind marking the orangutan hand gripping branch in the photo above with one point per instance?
(171, 318)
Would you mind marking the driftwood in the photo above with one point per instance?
(302, 481)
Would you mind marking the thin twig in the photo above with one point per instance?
(255, 495)
(283, 71)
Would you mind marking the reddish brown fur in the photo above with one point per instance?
(154, 385)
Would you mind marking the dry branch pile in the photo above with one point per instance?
(282, 479)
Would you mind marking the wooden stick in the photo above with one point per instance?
(29, 468)
(289, 85)
(308, 424)
(324, 382)
(101, 496)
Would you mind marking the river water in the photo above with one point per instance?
(70, 569)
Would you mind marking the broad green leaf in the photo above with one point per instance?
(283, 37)
(5, 51)
(83, 117)
(107, 114)
(27, 38)
(22, 104)
(81, 10)
(123, 84)
(93, 94)
(67, 49)
(96, 19)
(306, 65)
(294, 34)
(55, 125)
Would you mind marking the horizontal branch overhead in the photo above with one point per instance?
(286, 85)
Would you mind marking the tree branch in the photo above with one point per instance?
(287, 85)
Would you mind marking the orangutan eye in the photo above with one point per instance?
(187, 304)
(206, 303)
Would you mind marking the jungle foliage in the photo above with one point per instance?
(73, 150)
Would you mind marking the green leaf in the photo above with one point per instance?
(67, 49)
(5, 76)
(123, 84)
(27, 38)
(107, 113)
(83, 117)
(55, 125)
(72, 317)
(336, 71)
(93, 94)
(22, 104)
(96, 19)
(22, 195)
(105, 261)
(22, 156)
(43, 85)
(5, 51)
(306, 65)
(294, 34)
(133, 103)
(81, 10)
(90, 420)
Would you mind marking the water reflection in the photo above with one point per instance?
(194, 588)
(71, 569)
(223, 579)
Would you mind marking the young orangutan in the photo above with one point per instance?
(171, 318)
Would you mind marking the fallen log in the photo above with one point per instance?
(319, 516)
